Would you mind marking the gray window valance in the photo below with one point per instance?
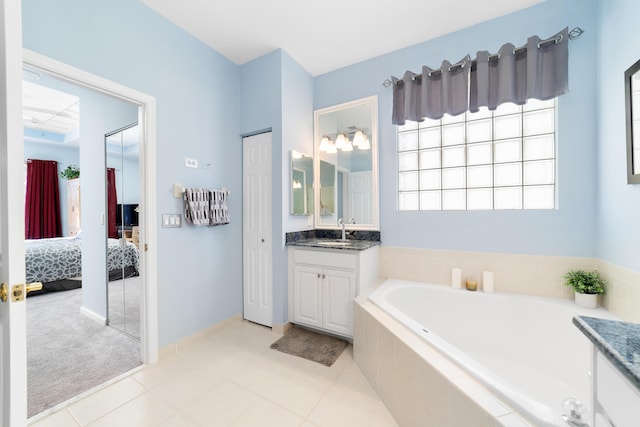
(539, 70)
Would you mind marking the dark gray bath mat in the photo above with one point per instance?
(311, 346)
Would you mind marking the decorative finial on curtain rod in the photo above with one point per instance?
(574, 34)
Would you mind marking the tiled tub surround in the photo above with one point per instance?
(500, 340)
(535, 275)
(623, 291)
(417, 384)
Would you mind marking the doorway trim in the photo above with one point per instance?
(148, 237)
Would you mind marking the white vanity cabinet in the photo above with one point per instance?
(323, 298)
(615, 371)
(616, 400)
(323, 284)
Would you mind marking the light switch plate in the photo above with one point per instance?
(171, 220)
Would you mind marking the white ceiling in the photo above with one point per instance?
(325, 35)
(56, 112)
(48, 109)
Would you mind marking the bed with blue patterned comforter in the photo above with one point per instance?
(50, 260)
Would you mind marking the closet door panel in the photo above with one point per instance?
(257, 229)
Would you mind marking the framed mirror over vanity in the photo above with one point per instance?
(632, 106)
(346, 165)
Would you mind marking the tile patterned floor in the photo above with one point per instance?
(234, 379)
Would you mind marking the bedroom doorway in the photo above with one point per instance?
(94, 311)
(71, 258)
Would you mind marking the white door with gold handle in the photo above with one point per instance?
(13, 315)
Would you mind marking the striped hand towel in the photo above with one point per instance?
(196, 206)
(219, 211)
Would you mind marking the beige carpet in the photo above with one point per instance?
(311, 345)
(68, 353)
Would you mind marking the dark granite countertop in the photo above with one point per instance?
(347, 245)
(358, 240)
(618, 341)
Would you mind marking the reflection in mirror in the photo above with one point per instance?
(123, 290)
(632, 98)
(327, 188)
(301, 184)
(346, 157)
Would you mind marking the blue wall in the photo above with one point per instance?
(565, 231)
(297, 130)
(197, 92)
(619, 203)
(277, 94)
(297, 134)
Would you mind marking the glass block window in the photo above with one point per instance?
(502, 159)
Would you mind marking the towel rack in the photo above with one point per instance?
(178, 190)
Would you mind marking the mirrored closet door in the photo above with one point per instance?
(123, 188)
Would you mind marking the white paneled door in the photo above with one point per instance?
(257, 242)
(361, 197)
(13, 335)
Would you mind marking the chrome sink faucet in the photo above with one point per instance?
(343, 224)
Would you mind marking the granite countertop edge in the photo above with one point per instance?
(355, 245)
(626, 368)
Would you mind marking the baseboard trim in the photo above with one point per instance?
(176, 347)
(282, 328)
(93, 315)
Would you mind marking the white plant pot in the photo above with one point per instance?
(586, 300)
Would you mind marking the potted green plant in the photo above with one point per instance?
(71, 172)
(587, 286)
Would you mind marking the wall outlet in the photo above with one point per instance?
(190, 163)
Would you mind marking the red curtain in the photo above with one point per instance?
(112, 201)
(42, 202)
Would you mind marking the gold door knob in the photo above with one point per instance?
(4, 291)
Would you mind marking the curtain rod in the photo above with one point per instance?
(574, 34)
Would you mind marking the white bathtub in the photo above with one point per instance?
(524, 349)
